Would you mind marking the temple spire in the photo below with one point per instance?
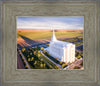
(53, 36)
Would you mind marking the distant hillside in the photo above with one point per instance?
(44, 30)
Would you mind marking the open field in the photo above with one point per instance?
(29, 38)
(46, 34)
(45, 30)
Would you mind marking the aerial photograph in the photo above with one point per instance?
(50, 42)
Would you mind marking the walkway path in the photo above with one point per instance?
(20, 64)
(76, 63)
(51, 60)
(24, 59)
(45, 60)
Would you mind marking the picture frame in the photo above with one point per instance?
(11, 76)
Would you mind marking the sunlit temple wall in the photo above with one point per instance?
(64, 51)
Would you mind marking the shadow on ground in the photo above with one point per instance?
(28, 43)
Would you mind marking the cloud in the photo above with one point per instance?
(48, 24)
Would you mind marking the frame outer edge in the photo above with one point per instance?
(1, 48)
(2, 32)
(0, 42)
(1, 18)
(98, 44)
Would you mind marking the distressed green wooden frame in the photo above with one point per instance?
(10, 75)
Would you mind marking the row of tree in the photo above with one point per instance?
(33, 59)
(55, 59)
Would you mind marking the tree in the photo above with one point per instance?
(38, 55)
(28, 56)
(23, 49)
(50, 66)
(60, 62)
(26, 66)
(44, 51)
(35, 62)
(41, 48)
(41, 59)
(64, 64)
(32, 58)
(44, 64)
(34, 52)
(47, 53)
(29, 59)
(24, 61)
(30, 53)
(38, 51)
(56, 67)
(41, 65)
(78, 56)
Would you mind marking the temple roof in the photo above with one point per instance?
(53, 36)
(57, 42)
(61, 43)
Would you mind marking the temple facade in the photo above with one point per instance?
(64, 51)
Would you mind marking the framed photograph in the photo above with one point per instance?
(50, 43)
(38, 47)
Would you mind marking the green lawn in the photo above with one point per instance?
(47, 35)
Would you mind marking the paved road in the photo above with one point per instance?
(78, 49)
(76, 63)
(20, 64)
(24, 59)
(51, 60)
(47, 63)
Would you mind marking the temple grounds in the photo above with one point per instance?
(29, 44)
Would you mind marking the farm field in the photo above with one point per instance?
(42, 34)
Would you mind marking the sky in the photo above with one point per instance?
(68, 23)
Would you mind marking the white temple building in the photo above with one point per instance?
(64, 51)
